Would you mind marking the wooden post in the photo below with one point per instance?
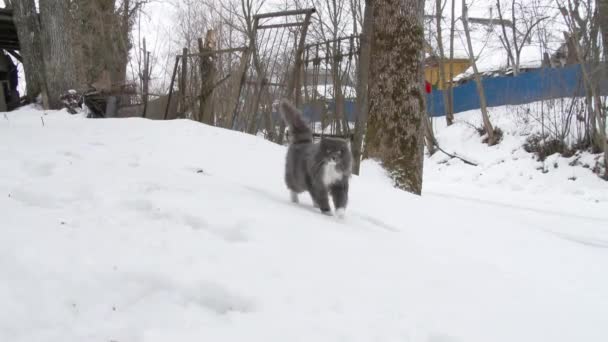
(294, 84)
(183, 82)
(259, 87)
(171, 87)
(3, 100)
(146, 77)
(207, 77)
(238, 82)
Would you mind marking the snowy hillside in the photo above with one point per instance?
(133, 230)
(507, 168)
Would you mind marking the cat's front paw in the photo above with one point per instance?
(340, 212)
(327, 212)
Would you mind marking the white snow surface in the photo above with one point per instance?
(137, 230)
(506, 170)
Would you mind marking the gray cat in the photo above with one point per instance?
(322, 168)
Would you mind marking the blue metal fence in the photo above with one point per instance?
(541, 84)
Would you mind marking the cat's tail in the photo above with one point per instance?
(298, 128)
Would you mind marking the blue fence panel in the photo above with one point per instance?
(541, 84)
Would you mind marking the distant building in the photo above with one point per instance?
(432, 70)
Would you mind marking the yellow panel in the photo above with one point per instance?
(431, 74)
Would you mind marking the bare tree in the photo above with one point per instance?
(489, 129)
(57, 44)
(396, 104)
(450, 90)
(362, 86)
(449, 116)
(28, 30)
(602, 6)
(522, 26)
(101, 31)
(585, 28)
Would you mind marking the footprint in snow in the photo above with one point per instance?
(38, 169)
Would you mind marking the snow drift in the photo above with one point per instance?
(135, 230)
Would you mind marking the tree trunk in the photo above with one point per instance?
(449, 117)
(183, 84)
(28, 30)
(101, 38)
(603, 20)
(450, 106)
(505, 37)
(396, 104)
(482, 96)
(339, 118)
(362, 81)
(57, 46)
(429, 136)
(602, 6)
(208, 72)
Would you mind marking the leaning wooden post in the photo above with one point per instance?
(171, 86)
(293, 82)
(207, 77)
(183, 84)
(238, 83)
(145, 79)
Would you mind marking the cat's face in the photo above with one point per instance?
(337, 151)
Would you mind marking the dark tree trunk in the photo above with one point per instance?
(102, 41)
(603, 20)
(362, 84)
(57, 46)
(480, 90)
(449, 116)
(208, 74)
(602, 6)
(396, 105)
(28, 30)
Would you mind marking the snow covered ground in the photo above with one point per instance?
(133, 230)
(507, 170)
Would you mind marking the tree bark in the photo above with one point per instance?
(362, 86)
(396, 104)
(208, 72)
(28, 30)
(59, 61)
(602, 6)
(183, 83)
(101, 31)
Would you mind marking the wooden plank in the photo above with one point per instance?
(285, 13)
(261, 27)
(214, 52)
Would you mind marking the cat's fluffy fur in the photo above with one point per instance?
(322, 168)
